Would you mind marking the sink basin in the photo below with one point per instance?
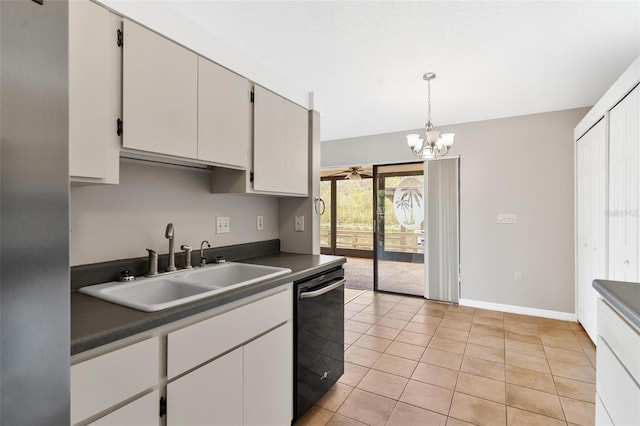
(230, 274)
(166, 291)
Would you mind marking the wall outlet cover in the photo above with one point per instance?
(260, 223)
(299, 223)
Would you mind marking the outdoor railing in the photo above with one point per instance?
(405, 242)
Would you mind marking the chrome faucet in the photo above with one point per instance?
(153, 263)
(187, 256)
(203, 260)
(168, 233)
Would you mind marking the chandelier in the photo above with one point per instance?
(434, 144)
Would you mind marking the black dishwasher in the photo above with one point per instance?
(318, 337)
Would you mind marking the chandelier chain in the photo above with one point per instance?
(429, 100)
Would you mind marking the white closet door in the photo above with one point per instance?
(624, 152)
(591, 160)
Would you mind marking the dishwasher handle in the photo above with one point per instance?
(323, 290)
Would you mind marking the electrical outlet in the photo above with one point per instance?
(504, 218)
(223, 225)
(299, 223)
(517, 276)
(260, 223)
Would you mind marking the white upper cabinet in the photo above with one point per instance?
(160, 91)
(95, 93)
(280, 145)
(624, 187)
(224, 115)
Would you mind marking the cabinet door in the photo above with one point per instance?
(209, 395)
(280, 145)
(224, 115)
(624, 179)
(296, 179)
(160, 90)
(591, 150)
(95, 93)
(268, 141)
(107, 380)
(268, 378)
(141, 412)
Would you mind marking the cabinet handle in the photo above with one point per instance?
(163, 406)
(119, 127)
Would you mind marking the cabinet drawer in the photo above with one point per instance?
(602, 417)
(197, 343)
(106, 380)
(141, 412)
(621, 337)
(615, 387)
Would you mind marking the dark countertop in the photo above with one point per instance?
(95, 322)
(624, 296)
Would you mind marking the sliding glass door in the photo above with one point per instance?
(346, 228)
(406, 219)
(400, 223)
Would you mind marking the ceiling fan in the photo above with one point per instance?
(354, 173)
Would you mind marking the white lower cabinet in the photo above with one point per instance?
(210, 395)
(617, 369)
(251, 385)
(268, 378)
(105, 382)
(141, 412)
(235, 368)
(227, 367)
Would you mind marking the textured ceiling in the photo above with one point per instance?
(364, 60)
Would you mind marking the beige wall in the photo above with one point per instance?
(110, 222)
(521, 165)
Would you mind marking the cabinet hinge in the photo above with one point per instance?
(163, 406)
(253, 97)
(119, 127)
(119, 38)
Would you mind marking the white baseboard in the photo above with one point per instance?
(522, 310)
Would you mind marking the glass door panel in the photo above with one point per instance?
(400, 238)
(354, 217)
(326, 217)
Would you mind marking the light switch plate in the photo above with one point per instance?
(299, 223)
(223, 225)
(260, 223)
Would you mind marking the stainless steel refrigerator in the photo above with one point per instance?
(34, 213)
